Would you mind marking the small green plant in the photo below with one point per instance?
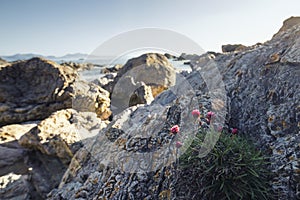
(234, 169)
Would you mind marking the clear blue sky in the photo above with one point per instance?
(58, 27)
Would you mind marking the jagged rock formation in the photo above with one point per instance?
(262, 90)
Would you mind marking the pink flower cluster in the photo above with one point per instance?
(196, 114)
(175, 129)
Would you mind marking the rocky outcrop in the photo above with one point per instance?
(233, 47)
(149, 69)
(132, 158)
(55, 135)
(88, 97)
(33, 89)
(288, 23)
(114, 69)
(78, 66)
(3, 62)
(262, 86)
(105, 80)
(169, 56)
(33, 161)
(134, 154)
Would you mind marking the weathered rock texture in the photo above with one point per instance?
(233, 47)
(114, 69)
(88, 97)
(78, 66)
(262, 86)
(149, 69)
(33, 89)
(33, 165)
(126, 161)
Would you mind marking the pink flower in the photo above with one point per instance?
(210, 114)
(196, 113)
(220, 128)
(234, 131)
(175, 129)
(178, 144)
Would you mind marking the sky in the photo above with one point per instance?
(59, 27)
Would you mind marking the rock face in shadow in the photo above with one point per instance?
(33, 89)
(126, 161)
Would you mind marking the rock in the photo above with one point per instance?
(134, 154)
(142, 94)
(23, 98)
(185, 56)
(3, 62)
(126, 160)
(78, 66)
(55, 135)
(14, 186)
(233, 48)
(114, 69)
(288, 23)
(35, 164)
(89, 97)
(13, 132)
(169, 56)
(105, 80)
(262, 85)
(152, 69)
(33, 89)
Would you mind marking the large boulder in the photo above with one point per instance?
(152, 69)
(33, 89)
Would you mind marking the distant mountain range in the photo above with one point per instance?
(67, 57)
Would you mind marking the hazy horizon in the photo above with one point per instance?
(57, 28)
